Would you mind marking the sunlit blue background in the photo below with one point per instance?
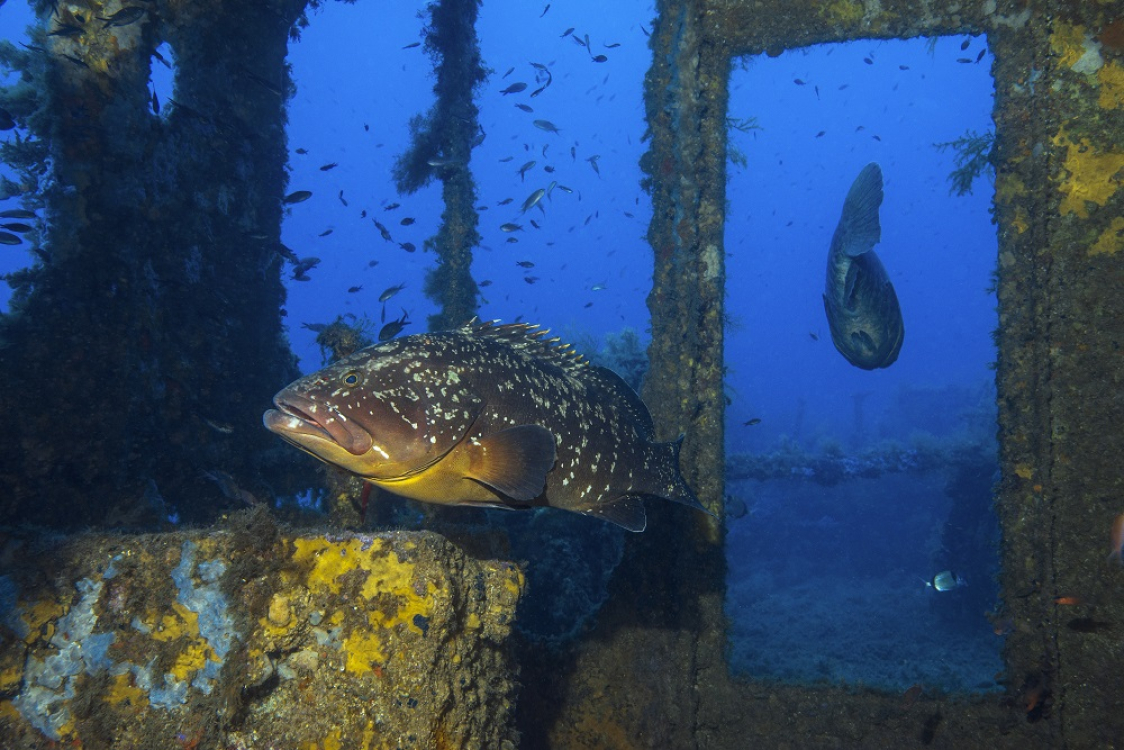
(344, 82)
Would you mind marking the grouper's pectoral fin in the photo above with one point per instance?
(628, 513)
(514, 461)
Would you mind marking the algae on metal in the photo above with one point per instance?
(147, 335)
(253, 638)
(441, 145)
(1058, 199)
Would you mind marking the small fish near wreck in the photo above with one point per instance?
(946, 580)
(860, 302)
(489, 415)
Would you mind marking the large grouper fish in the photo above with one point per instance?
(488, 415)
(862, 307)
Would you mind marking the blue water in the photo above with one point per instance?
(825, 582)
(585, 240)
(939, 249)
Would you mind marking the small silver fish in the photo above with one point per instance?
(383, 231)
(305, 264)
(946, 580)
(125, 16)
(390, 292)
(394, 327)
(533, 200)
(230, 489)
(547, 125)
(297, 196)
(66, 29)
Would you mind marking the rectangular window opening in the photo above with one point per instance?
(862, 544)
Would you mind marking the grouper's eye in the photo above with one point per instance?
(351, 378)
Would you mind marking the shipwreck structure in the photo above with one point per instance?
(144, 341)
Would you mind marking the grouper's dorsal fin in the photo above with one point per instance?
(529, 339)
(621, 393)
(859, 230)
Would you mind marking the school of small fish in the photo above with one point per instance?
(547, 159)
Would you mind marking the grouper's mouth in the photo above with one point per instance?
(306, 423)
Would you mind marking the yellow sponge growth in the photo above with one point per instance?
(1091, 175)
(388, 592)
(843, 12)
(122, 689)
(40, 619)
(1111, 79)
(330, 560)
(1068, 43)
(363, 650)
(170, 627)
(1111, 240)
(182, 623)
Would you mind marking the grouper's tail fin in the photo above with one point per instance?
(859, 230)
(670, 482)
(662, 479)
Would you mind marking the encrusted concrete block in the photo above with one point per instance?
(251, 639)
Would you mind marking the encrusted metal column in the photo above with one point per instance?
(141, 350)
(442, 142)
(1060, 118)
(686, 93)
